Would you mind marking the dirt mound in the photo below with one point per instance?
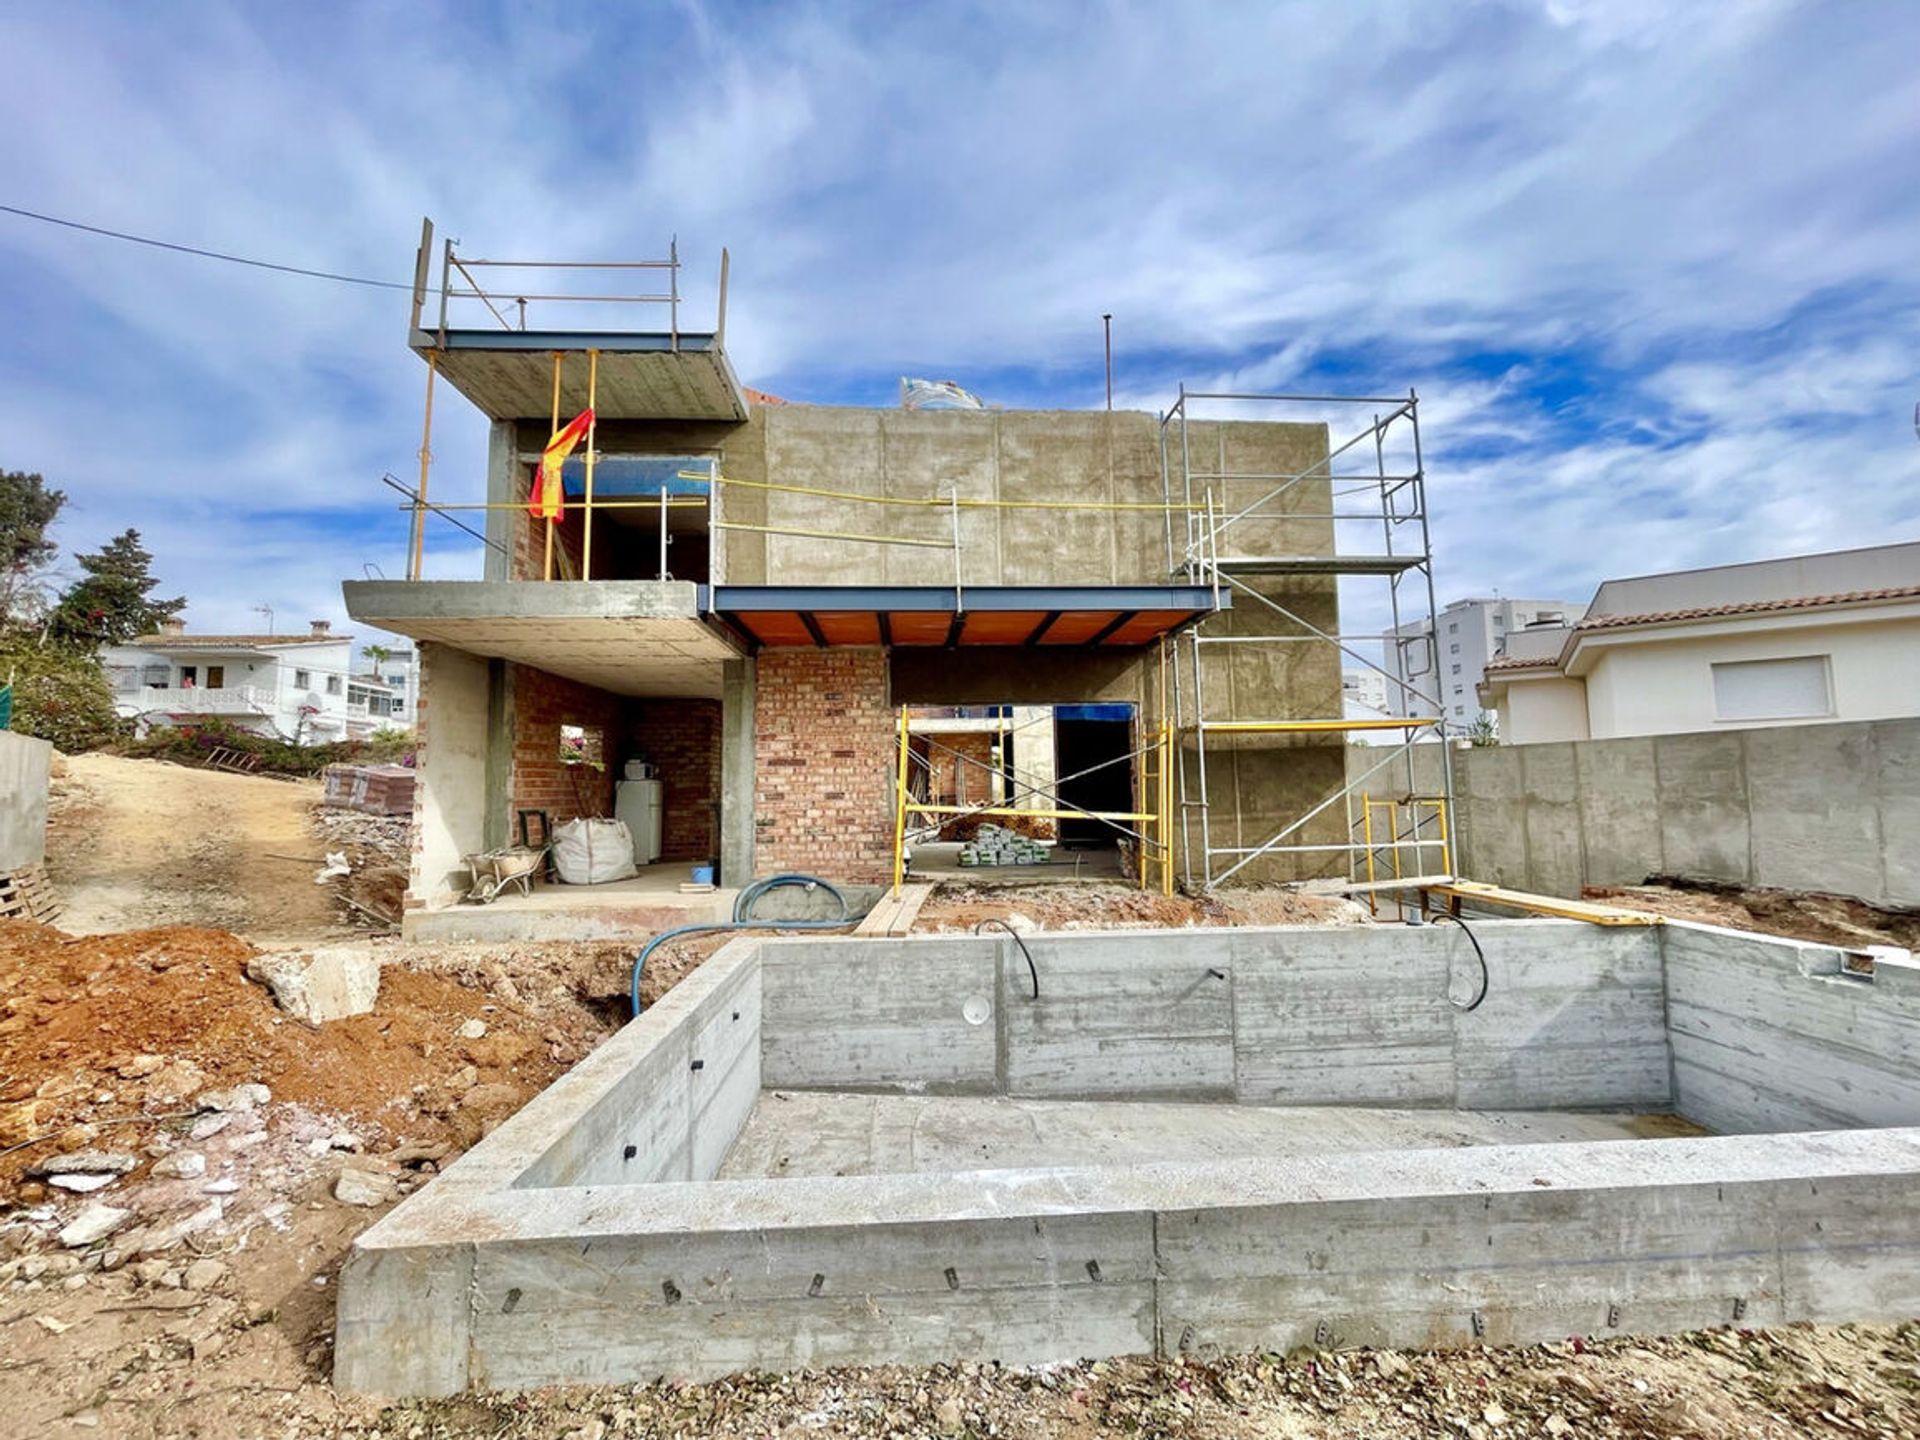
(954, 907)
(1795, 914)
(135, 843)
(125, 1029)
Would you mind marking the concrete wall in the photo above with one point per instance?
(1259, 782)
(1643, 684)
(1810, 807)
(1551, 707)
(666, 1097)
(1773, 1035)
(451, 800)
(1573, 1017)
(25, 764)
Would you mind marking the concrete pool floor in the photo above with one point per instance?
(796, 1133)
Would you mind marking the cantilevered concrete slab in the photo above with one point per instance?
(508, 374)
(630, 637)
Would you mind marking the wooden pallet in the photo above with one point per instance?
(27, 894)
(237, 762)
(895, 914)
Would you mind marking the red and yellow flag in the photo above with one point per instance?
(548, 499)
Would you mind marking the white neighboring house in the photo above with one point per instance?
(398, 672)
(296, 687)
(1469, 634)
(1795, 641)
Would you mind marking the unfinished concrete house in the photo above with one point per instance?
(742, 603)
(831, 631)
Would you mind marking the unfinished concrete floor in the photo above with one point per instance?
(803, 1133)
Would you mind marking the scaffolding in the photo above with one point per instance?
(1251, 532)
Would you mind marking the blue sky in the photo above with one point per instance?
(1654, 268)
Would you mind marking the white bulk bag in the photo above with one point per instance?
(592, 852)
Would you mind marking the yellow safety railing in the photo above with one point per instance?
(1394, 837)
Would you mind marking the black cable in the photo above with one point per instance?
(1032, 969)
(1480, 954)
(204, 254)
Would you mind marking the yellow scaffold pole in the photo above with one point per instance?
(426, 465)
(900, 809)
(586, 521)
(546, 565)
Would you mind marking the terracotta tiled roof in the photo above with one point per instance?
(1523, 662)
(1704, 612)
(1749, 607)
(230, 642)
(761, 397)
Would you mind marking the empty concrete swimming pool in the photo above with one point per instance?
(850, 1151)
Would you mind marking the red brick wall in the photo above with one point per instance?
(682, 739)
(962, 766)
(542, 703)
(530, 538)
(823, 764)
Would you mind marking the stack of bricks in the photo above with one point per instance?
(682, 740)
(542, 703)
(824, 759)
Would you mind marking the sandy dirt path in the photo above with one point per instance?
(139, 843)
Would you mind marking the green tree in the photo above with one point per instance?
(27, 512)
(59, 695)
(113, 601)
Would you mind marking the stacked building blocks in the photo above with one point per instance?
(997, 845)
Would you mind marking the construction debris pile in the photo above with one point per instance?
(136, 1046)
(365, 863)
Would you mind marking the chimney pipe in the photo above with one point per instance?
(321, 628)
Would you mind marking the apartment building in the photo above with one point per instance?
(1468, 634)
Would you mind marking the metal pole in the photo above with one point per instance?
(900, 808)
(673, 290)
(586, 519)
(422, 269)
(959, 597)
(720, 325)
(426, 464)
(663, 532)
(1107, 321)
(1433, 620)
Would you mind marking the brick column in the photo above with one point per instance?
(823, 767)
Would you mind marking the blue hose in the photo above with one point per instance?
(743, 920)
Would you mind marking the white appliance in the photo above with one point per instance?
(639, 804)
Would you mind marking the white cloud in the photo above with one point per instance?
(1678, 192)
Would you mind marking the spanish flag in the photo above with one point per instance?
(548, 499)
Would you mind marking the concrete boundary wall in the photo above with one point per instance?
(529, 1263)
(1573, 1019)
(26, 764)
(1805, 807)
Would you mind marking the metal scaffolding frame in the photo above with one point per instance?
(1212, 538)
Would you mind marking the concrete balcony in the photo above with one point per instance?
(195, 700)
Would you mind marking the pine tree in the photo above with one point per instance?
(27, 511)
(113, 602)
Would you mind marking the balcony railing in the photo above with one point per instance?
(196, 700)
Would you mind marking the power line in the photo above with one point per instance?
(204, 254)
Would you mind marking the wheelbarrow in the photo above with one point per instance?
(494, 870)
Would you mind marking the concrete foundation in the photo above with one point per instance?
(1195, 1141)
